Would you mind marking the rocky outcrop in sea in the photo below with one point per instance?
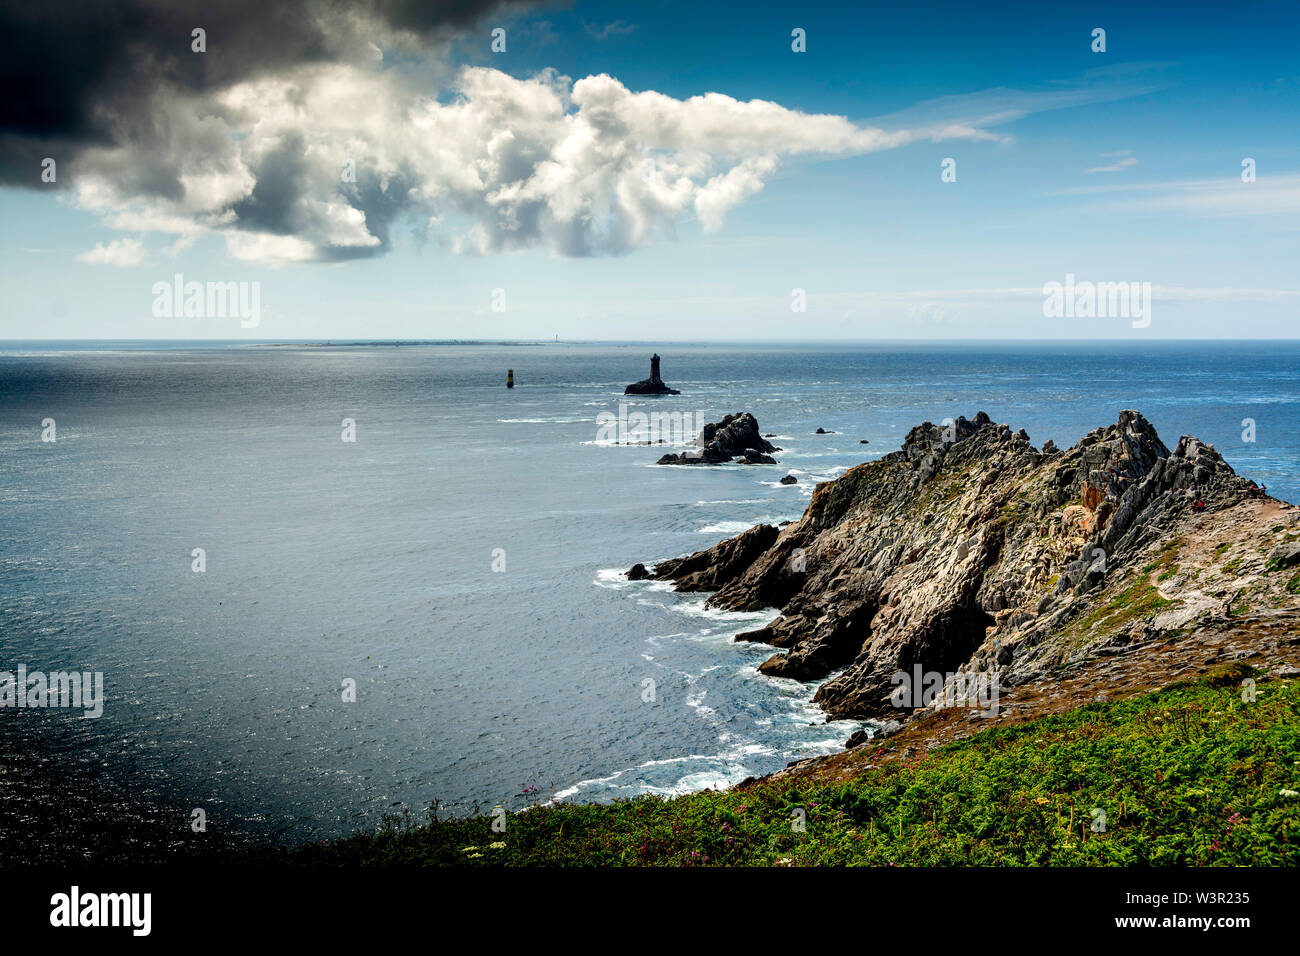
(654, 385)
(735, 438)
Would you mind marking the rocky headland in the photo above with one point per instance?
(735, 438)
(1102, 571)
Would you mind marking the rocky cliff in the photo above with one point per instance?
(969, 551)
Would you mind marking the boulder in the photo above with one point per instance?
(1285, 555)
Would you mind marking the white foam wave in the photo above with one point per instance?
(726, 527)
(735, 527)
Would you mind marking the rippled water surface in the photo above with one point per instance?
(374, 560)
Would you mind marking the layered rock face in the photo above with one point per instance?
(970, 550)
(736, 436)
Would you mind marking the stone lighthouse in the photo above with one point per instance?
(654, 385)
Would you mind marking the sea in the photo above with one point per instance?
(328, 583)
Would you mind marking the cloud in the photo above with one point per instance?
(1122, 162)
(1273, 195)
(314, 132)
(937, 302)
(124, 253)
(89, 56)
(320, 162)
(1000, 105)
(617, 28)
(1115, 167)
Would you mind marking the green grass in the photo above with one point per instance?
(1187, 776)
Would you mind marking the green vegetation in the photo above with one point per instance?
(1190, 775)
(1167, 556)
(1007, 514)
(1274, 565)
(1138, 600)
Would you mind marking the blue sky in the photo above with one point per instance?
(1117, 166)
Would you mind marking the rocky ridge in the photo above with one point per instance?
(968, 551)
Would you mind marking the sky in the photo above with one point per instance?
(674, 171)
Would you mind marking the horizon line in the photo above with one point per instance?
(718, 341)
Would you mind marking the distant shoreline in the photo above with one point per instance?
(938, 343)
(395, 343)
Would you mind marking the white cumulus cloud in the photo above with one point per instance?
(322, 161)
(124, 252)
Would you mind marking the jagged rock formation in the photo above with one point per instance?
(969, 550)
(654, 385)
(736, 436)
(709, 570)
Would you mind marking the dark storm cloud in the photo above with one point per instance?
(78, 73)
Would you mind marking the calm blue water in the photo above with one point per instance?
(374, 560)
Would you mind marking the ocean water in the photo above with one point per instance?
(461, 560)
